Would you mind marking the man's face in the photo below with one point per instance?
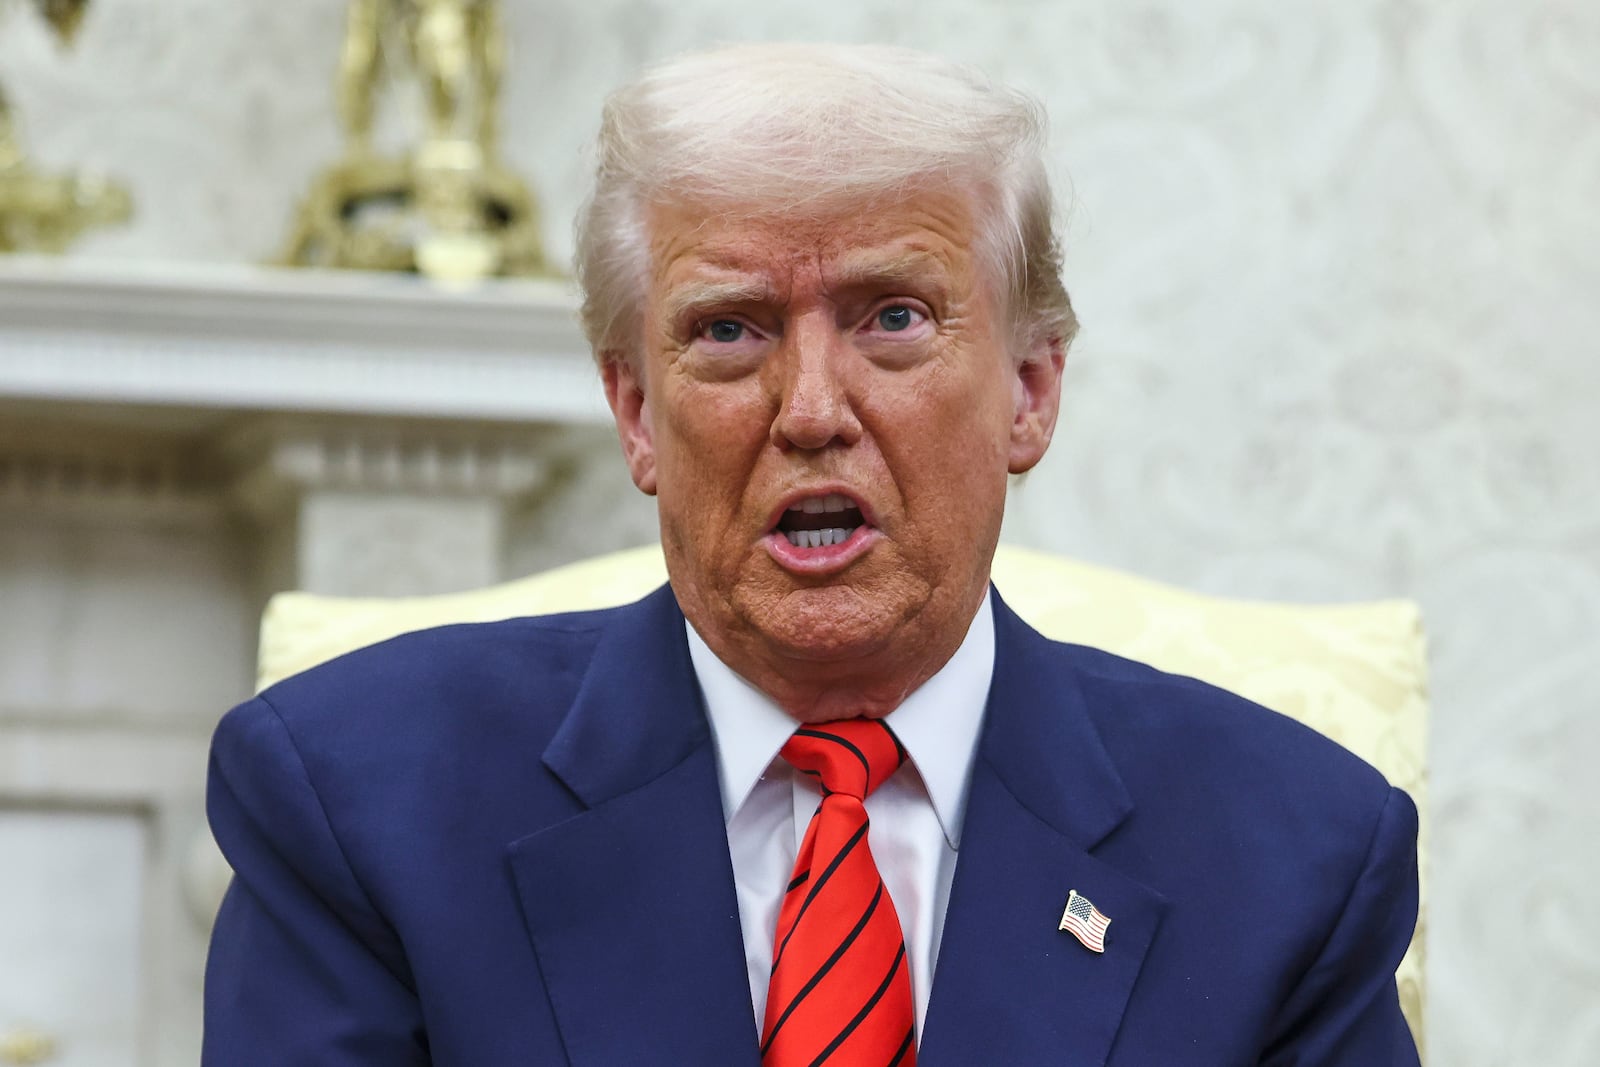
(827, 411)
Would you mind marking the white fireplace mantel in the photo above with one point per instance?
(230, 337)
(175, 444)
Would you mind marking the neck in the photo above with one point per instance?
(869, 685)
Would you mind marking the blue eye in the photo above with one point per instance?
(895, 318)
(725, 331)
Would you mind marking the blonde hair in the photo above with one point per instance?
(815, 129)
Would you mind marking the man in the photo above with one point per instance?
(824, 293)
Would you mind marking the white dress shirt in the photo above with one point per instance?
(916, 815)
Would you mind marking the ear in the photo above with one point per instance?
(1036, 394)
(631, 410)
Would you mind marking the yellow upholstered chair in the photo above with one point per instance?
(1356, 672)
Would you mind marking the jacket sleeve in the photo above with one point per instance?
(303, 970)
(1345, 1010)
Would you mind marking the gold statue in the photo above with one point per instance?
(448, 207)
(26, 1047)
(44, 213)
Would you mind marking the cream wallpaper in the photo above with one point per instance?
(1339, 270)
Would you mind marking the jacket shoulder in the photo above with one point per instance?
(1241, 809)
(1221, 784)
(450, 654)
(448, 684)
(1213, 734)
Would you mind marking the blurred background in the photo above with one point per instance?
(1339, 272)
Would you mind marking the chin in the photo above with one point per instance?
(824, 644)
(826, 624)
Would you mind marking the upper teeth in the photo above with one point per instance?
(815, 505)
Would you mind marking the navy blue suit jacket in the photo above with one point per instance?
(503, 844)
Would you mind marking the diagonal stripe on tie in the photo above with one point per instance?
(843, 742)
(866, 1009)
(816, 887)
(822, 972)
(840, 990)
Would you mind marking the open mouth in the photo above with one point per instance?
(820, 521)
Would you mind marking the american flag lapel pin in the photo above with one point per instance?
(1085, 922)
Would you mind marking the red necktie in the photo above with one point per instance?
(840, 991)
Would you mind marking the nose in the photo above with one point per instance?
(814, 406)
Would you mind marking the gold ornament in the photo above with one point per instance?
(26, 1047)
(64, 16)
(447, 207)
(45, 213)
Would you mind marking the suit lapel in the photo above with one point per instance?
(1009, 986)
(631, 905)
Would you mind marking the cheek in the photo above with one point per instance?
(708, 440)
(709, 420)
(947, 444)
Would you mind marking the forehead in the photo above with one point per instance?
(930, 233)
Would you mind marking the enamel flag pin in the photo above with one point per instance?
(1085, 922)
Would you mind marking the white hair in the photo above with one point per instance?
(777, 129)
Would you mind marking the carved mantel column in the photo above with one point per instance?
(382, 507)
(177, 443)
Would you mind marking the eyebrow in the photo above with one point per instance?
(902, 268)
(863, 271)
(698, 296)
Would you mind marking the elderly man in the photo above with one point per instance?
(824, 293)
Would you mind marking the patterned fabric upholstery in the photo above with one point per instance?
(1355, 672)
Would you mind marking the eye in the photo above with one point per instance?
(896, 317)
(723, 331)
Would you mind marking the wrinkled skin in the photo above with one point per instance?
(864, 354)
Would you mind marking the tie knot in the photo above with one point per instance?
(851, 756)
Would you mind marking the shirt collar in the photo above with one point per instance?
(938, 723)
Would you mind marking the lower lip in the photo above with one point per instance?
(826, 559)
